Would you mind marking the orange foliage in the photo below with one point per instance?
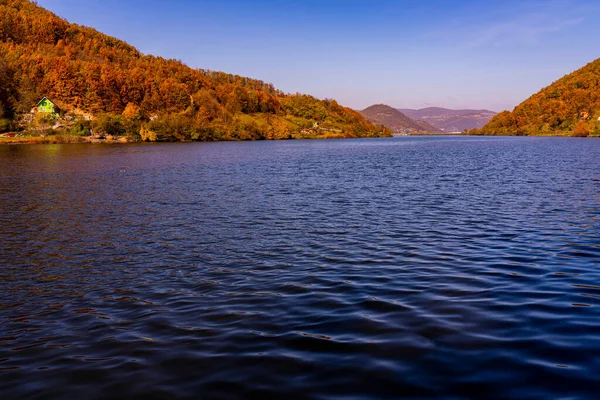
(556, 109)
(80, 68)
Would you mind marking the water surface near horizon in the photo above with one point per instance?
(454, 267)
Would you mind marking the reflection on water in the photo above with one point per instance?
(415, 267)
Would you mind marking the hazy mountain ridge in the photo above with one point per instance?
(570, 105)
(450, 120)
(395, 120)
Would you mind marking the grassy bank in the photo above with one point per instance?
(477, 132)
(59, 138)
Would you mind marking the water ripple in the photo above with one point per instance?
(408, 267)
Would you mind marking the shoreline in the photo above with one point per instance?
(61, 139)
(72, 139)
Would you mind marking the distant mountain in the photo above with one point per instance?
(427, 127)
(569, 106)
(390, 117)
(451, 120)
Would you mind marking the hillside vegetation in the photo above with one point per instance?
(94, 76)
(395, 120)
(569, 106)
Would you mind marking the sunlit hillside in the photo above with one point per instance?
(90, 75)
(570, 105)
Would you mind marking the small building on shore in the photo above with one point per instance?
(46, 106)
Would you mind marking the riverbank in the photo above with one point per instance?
(565, 133)
(70, 139)
(541, 134)
(62, 138)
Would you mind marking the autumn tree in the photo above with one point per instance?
(582, 129)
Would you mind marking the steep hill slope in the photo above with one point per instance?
(569, 105)
(451, 120)
(390, 117)
(88, 73)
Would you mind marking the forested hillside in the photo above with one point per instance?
(92, 75)
(569, 106)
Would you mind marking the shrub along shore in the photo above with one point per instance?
(73, 135)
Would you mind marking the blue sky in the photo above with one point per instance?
(410, 54)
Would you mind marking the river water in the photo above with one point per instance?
(453, 267)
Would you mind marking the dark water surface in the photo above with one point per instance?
(408, 267)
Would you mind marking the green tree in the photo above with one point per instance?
(106, 124)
